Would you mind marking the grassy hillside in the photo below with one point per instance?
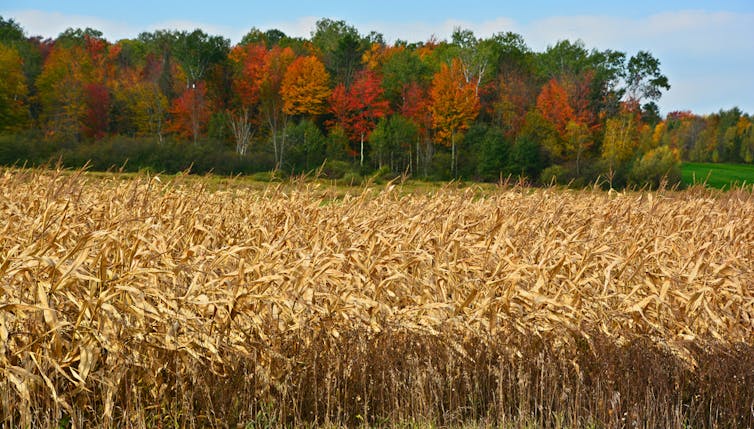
(717, 175)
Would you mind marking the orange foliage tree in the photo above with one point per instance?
(305, 87)
(572, 136)
(553, 104)
(455, 104)
(247, 74)
(304, 90)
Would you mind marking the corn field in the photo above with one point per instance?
(146, 302)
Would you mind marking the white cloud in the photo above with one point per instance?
(51, 24)
(301, 27)
(422, 31)
(689, 31)
(182, 25)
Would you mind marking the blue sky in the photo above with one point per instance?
(706, 47)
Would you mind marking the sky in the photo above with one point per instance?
(706, 48)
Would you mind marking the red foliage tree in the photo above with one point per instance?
(515, 98)
(358, 108)
(190, 112)
(416, 106)
(97, 110)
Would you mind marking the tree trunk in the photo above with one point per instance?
(361, 151)
(282, 141)
(241, 127)
(194, 117)
(453, 154)
(410, 160)
(274, 133)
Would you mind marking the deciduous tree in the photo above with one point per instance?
(644, 79)
(305, 87)
(14, 111)
(340, 47)
(96, 117)
(515, 96)
(358, 108)
(415, 105)
(392, 135)
(190, 112)
(61, 91)
(578, 140)
(745, 132)
(620, 141)
(455, 105)
(248, 67)
(198, 52)
(552, 103)
(271, 100)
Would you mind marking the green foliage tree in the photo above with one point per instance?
(401, 69)
(644, 81)
(526, 157)
(494, 152)
(477, 56)
(563, 58)
(307, 146)
(270, 38)
(198, 52)
(11, 31)
(392, 141)
(340, 47)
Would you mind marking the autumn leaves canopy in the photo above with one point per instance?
(527, 110)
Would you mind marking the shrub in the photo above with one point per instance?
(334, 169)
(384, 174)
(655, 166)
(351, 178)
(555, 174)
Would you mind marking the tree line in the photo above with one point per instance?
(351, 104)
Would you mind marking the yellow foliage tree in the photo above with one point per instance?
(745, 131)
(145, 105)
(60, 89)
(621, 140)
(13, 109)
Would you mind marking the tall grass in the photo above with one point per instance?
(145, 303)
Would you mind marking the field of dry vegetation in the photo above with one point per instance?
(150, 302)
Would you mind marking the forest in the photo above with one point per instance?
(348, 105)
